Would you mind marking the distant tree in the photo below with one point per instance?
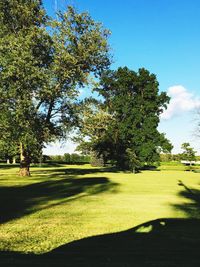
(188, 152)
(42, 65)
(85, 158)
(67, 158)
(57, 158)
(75, 158)
(177, 157)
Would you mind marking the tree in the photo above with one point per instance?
(188, 153)
(42, 65)
(67, 158)
(93, 124)
(132, 105)
(74, 158)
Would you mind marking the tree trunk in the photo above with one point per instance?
(190, 166)
(8, 161)
(14, 160)
(24, 162)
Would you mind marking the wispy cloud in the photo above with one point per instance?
(181, 101)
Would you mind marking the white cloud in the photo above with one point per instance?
(181, 101)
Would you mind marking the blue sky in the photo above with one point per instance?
(162, 36)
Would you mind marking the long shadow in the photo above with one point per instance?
(8, 166)
(47, 165)
(17, 201)
(192, 208)
(77, 171)
(162, 242)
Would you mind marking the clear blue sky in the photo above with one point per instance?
(162, 36)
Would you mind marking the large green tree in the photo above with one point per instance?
(43, 62)
(132, 105)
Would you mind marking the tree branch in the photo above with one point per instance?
(48, 117)
(38, 105)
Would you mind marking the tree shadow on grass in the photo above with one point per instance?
(7, 166)
(76, 171)
(162, 242)
(192, 207)
(149, 168)
(17, 201)
(47, 165)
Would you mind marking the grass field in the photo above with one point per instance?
(61, 204)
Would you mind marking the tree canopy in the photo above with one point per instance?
(126, 121)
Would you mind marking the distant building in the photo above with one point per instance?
(187, 162)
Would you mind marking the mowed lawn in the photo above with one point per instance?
(57, 205)
(60, 204)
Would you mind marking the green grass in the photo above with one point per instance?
(58, 205)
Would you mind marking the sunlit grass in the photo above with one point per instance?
(60, 204)
(176, 166)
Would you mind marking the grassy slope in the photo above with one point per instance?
(58, 205)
